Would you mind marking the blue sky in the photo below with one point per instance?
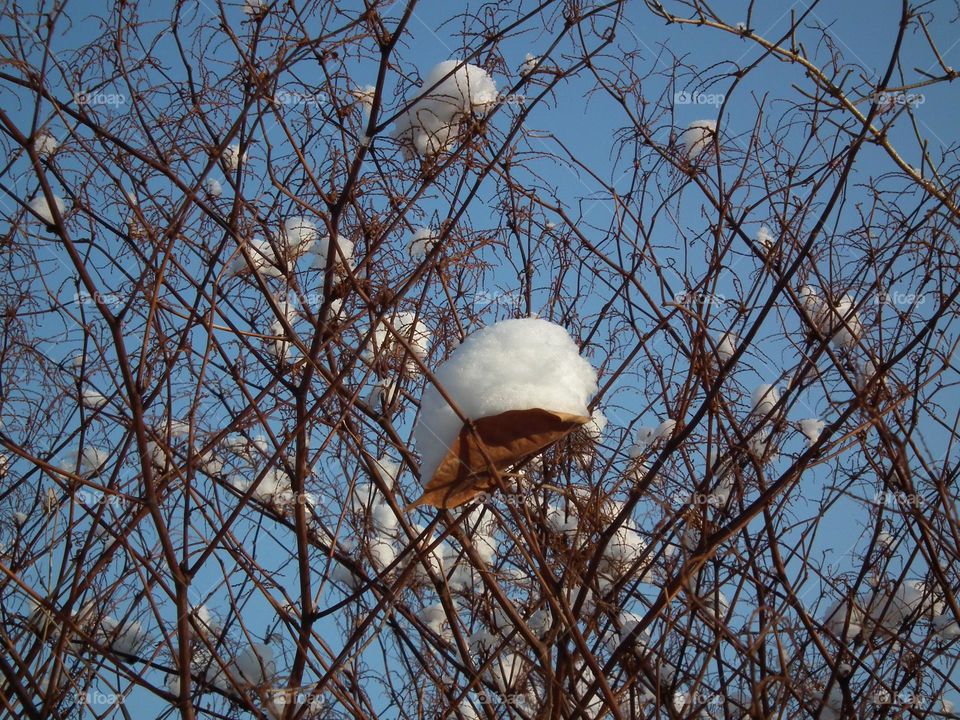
(860, 31)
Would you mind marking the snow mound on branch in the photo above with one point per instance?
(811, 429)
(727, 346)
(890, 607)
(341, 247)
(529, 64)
(252, 7)
(298, 235)
(515, 364)
(41, 207)
(410, 327)
(846, 325)
(840, 323)
(765, 237)
(45, 144)
(595, 428)
(422, 243)
(126, 638)
(257, 663)
(364, 95)
(698, 137)
(213, 187)
(232, 158)
(462, 88)
(764, 399)
(263, 259)
(94, 399)
(430, 124)
(279, 346)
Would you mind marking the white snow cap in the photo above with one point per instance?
(256, 663)
(889, 607)
(364, 96)
(529, 64)
(422, 243)
(517, 364)
(262, 257)
(41, 207)
(665, 429)
(213, 187)
(812, 303)
(946, 627)
(840, 322)
(765, 237)
(430, 125)
(232, 158)
(279, 346)
(428, 561)
(298, 235)
(205, 619)
(275, 488)
(847, 323)
(341, 247)
(594, 428)
(463, 87)
(433, 616)
(811, 428)
(92, 459)
(178, 428)
(382, 552)
(126, 638)
(761, 444)
(764, 399)
(698, 137)
(408, 326)
(626, 546)
(94, 399)
(646, 436)
(505, 670)
(727, 346)
(45, 144)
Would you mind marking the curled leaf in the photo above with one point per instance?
(507, 438)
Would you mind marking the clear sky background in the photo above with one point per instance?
(861, 30)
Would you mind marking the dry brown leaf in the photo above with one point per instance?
(507, 438)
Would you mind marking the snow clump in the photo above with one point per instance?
(431, 123)
(517, 364)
